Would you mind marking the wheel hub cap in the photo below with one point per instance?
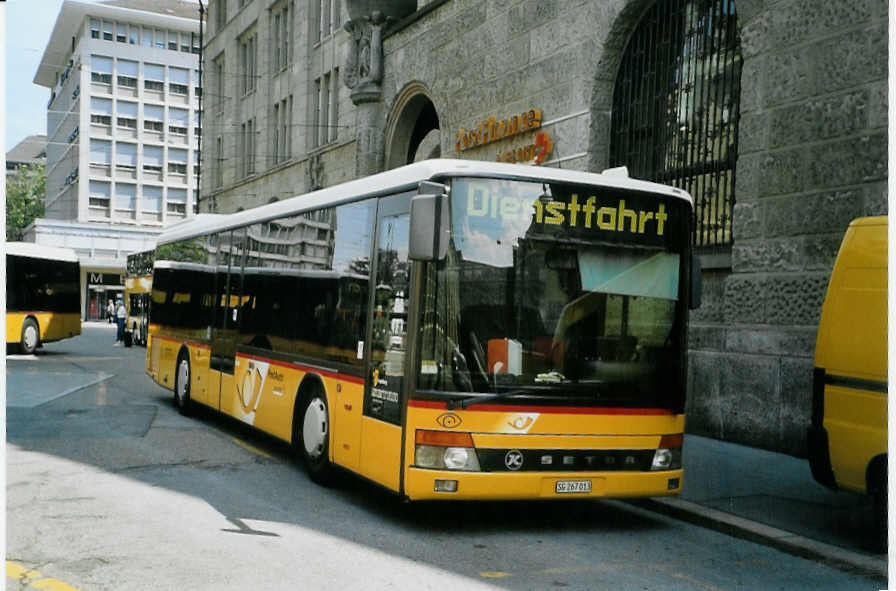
(314, 428)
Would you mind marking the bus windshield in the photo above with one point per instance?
(566, 294)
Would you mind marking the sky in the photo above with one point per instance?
(29, 24)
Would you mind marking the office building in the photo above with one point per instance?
(122, 132)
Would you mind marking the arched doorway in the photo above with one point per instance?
(414, 130)
(676, 107)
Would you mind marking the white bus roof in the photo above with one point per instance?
(407, 178)
(39, 251)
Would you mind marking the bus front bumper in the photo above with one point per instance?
(425, 484)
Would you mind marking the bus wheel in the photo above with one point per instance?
(30, 336)
(314, 444)
(182, 385)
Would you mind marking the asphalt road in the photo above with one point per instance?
(108, 487)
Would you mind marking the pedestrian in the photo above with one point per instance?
(120, 314)
(110, 311)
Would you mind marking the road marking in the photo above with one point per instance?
(494, 574)
(251, 448)
(33, 579)
(36, 398)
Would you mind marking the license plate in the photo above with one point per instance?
(573, 486)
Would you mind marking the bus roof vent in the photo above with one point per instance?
(617, 171)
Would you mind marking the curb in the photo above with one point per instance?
(779, 539)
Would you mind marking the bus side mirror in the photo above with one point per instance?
(429, 223)
(696, 282)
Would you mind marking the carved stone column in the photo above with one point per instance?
(363, 74)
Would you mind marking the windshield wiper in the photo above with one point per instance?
(465, 402)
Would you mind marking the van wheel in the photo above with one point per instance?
(880, 516)
(313, 441)
(30, 336)
(182, 385)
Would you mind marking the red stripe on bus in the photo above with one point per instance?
(306, 368)
(286, 364)
(571, 410)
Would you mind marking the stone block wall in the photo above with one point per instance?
(812, 157)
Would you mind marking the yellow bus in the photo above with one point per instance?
(137, 288)
(43, 302)
(447, 330)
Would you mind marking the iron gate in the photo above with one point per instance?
(676, 107)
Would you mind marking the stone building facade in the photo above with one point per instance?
(304, 95)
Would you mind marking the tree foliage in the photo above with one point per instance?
(25, 190)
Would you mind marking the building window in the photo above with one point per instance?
(197, 124)
(326, 108)
(248, 61)
(172, 40)
(152, 199)
(315, 113)
(122, 35)
(328, 11)
(177, 161)
(146, 37)
(275, 134)
(94, 28)
(127, 114)
(178, 80)
(160, 35)
(107, 31)
(323, 123)
(125, 156)
(125, 196)
(220, 15)
(178, 121)
(134, 35)
(247, 147)
(282, 130)
(219, 162)
(177, 201)
(127, 73)
(152, 159)
(282, 34)
(153, 118)
(100, 194)
(185, 42)
(219, 82)
(101, 69)
(100, 110)
(676, 107)
(154, 77)
(100, 152)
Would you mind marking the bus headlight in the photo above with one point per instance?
(461, 458)
(444, 450)
(668, 455)
(427, 456)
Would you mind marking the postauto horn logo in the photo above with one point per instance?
(449, 420)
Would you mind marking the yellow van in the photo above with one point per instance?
(848, 435)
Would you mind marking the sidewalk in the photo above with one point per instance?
(772, 499)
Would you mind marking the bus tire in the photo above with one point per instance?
(30, 336)
(312, 436)
(182, 384)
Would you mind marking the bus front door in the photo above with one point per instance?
(387, 337)
(228, 288)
